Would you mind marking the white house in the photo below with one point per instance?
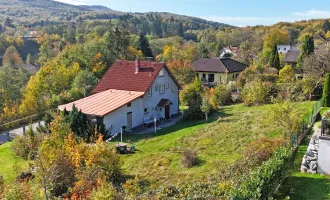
(131, 94)
(284, 48)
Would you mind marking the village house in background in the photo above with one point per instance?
(285, 48)
(233, 50)
(215, 71)
(131, 94)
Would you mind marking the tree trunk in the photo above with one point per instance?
(206, 117)
(85, 92)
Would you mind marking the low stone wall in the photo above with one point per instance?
(309, 162)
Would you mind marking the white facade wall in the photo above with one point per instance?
(118, 118)
(151, 102)
(284, 48)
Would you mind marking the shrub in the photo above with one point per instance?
(188, 158)
(287, 74)
(220, 96)
(191, 96)
(104, 192)
(262, 182)
(2, 186)
(326, 91)
(26, 146)
(255, 93)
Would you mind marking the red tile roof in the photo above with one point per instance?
(103, 103)
(121, 76)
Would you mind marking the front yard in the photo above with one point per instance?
(10, 165)
(217, 143)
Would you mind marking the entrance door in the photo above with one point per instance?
(129, 120)
(167, 112)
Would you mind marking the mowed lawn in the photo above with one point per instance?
(217, 143)
(10, 165)
(304, 186)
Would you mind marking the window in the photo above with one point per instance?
(167, 85)
(129, 104)
(203, 79)
(211, 78)
(284, 49)
(173, 87)
(279, 49)
(162, 89)
(150, 91)
(161, 72)
(146, 110)
(233, 76)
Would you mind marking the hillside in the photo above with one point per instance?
(37, 12)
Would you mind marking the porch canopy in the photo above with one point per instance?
(164, 102)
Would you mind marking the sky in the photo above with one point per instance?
(234, 12)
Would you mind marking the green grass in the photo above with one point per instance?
(218, 144)
(9, 163)
(301, 186)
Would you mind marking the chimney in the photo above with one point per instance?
(150, 59)
(137, 65)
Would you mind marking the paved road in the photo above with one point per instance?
(17, 132)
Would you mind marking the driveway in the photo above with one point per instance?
(18, 132)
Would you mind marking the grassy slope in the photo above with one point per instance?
(300, 186)
(9, 162)
(217, 143)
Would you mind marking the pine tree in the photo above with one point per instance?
(29, 59)
(274, 59)
(307, 48)
(326, 91)
(326, 26)
(144, 46)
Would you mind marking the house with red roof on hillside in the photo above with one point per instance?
(132, 93)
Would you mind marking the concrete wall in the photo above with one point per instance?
(323, 161)
(171, 93)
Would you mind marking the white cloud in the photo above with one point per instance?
(312, 14)
(242, 21)
(269, 20)
(73, 2)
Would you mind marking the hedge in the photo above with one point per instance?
(262, 182)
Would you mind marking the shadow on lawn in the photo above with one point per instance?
(129, 137)
(305, 187)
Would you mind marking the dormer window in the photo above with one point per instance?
(161, 72)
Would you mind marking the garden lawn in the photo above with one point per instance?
(217, 143)
(9, 163)
(301, 186)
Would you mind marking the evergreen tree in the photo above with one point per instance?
(326, 26)
(12, 58)
(306, 49)
(326, 91)
(144, 46)
(274, 59)
(29, 59)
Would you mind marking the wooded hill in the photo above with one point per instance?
(40, 12)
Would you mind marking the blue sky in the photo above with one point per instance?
(234, 12)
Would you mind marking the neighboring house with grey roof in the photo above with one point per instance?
(214, 71)
(291, 57)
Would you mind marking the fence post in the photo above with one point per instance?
(23, 129)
